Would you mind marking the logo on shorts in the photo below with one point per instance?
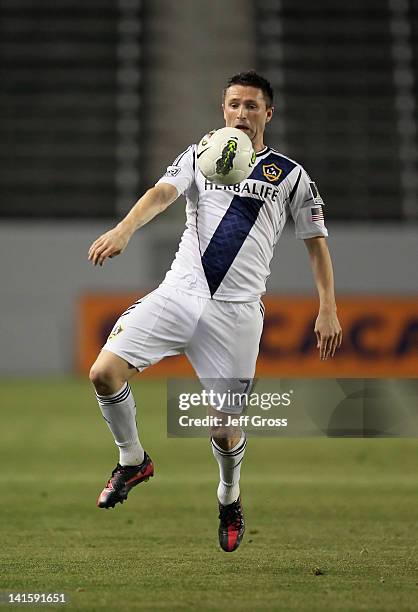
(272, 172)
(115, 331)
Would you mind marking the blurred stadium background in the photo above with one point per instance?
(96, 98)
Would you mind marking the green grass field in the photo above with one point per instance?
(347, 507)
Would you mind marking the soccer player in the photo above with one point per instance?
(208, 306)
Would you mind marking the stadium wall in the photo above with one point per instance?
(44, 272)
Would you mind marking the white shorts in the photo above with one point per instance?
(220, 339)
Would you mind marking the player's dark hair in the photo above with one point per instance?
(252, 79)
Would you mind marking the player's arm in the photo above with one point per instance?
(327, 327)
(114, 242)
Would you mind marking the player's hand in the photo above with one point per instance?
(110, 244)
(329, 334)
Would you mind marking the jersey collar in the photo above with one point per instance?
(263, 151)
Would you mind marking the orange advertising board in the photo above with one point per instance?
(380, 337)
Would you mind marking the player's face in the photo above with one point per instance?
(245, 108)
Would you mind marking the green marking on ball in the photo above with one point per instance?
(225, 162)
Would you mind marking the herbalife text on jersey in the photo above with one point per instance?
(254, 188)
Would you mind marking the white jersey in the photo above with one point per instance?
(231, 231)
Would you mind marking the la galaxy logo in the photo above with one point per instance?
(115, 331)
(272, 172)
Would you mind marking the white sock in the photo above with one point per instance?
(229, 470)
(119, 412)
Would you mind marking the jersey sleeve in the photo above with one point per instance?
(181, 173)
(307, 207)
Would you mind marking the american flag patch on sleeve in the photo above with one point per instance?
(317, 213)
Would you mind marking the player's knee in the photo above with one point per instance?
(98, 375)
(104, 378)
(222, 436)
(218, 433)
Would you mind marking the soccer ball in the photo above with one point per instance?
(226, 156)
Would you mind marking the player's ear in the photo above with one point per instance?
(270, 112)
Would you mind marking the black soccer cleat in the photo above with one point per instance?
(231, 525)
(123, 479)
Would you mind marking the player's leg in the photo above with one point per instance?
(154, 327)
(224, 352)
(228, 444)
(110, 375)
